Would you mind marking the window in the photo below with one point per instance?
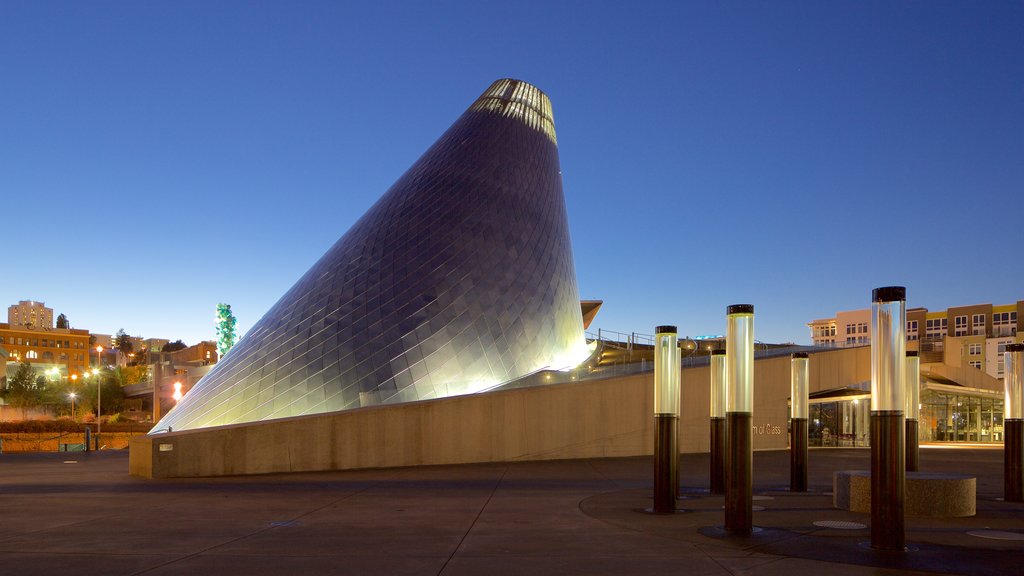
(976, 364)
(960, 326)
(978, 324)
(974, 350)
(31, 354)
(911, 329)
(862, 328)
(1004, 324)
(935, 329)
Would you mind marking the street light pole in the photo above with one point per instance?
(72, 396)
(99, 393)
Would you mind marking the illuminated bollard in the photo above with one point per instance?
(666, 418)
(912, 410)
(888, 367)
(798, 389)
(1013, 423)
(739, 402)
(718, 421)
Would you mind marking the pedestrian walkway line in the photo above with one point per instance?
(475, 520)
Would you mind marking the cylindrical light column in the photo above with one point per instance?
(798, 389)
(888, 367)
(1013, 423)
(912, 410)
(739, 403)
(718, 371)
(666, 417)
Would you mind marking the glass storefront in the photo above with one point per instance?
(838, 423)
(952, 416)
(947, 415)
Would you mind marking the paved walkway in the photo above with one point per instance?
(82, 514)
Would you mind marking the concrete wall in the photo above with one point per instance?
(603, 418)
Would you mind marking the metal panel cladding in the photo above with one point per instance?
(459, 278)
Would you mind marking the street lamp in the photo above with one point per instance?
(99, 393)
(72, 397)
(177, 392)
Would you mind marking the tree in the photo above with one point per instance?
(175, 346)
(141, 357)
(62, 322)
(24, 389)
(226, 334)
(123, 342)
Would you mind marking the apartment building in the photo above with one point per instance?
(974, 335)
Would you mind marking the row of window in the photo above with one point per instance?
(825, 331)
(45, 342)
(47, 356)
(859, 328)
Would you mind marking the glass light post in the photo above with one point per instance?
(1013, 423)
(72, 396)
(912, 409)
(739, 403)
(666, 417)
(888, 368)
(799, 385)
(718, 385)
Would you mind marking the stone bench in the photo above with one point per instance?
(933, 494)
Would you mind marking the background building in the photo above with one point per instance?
(68, 348)
(961, 351)
(31, 315)
(974, 336)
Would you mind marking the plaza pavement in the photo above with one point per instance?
(82, 514)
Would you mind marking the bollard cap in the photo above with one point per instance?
(799, 355)
(889, 294)
(666, 330)
(718, 352)
(911, 353)
(1018, 347)
(740, 309)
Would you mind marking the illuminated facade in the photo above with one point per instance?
(57, 346)
(459, 278)
(31, 315)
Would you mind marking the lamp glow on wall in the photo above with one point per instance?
(177, 392)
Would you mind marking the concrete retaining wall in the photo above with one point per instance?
(603, 418)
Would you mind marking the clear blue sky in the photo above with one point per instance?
(157, 158)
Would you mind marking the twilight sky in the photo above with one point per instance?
(157, 158)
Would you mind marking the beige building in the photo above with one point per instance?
(973, 336)
(31, 315)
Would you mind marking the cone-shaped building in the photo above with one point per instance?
(458, 279)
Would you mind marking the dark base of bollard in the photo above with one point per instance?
(666, 462)
(913, 458)
(798, 455)
(718, 455)
(739, 482)
(888, 480)
(1013, 460)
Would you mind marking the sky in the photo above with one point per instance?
(157, 158)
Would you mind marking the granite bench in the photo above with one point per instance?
(938, 495)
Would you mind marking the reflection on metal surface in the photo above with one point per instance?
(458, 279)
